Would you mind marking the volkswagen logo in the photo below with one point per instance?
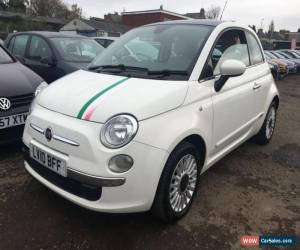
(4, 103)
(48, 134)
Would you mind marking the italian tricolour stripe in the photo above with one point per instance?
(87, 109)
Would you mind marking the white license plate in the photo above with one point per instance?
(13, 120)
(48, 160)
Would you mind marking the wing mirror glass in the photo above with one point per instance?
(229, 68)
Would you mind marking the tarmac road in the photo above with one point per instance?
(254, 190)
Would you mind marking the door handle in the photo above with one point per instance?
(256, 86)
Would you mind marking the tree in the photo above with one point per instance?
(54, 8)
(3, 4)
(213, 12)
(74, 12)
(17, 5)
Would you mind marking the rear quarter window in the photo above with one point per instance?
(11, 43)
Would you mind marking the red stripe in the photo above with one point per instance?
(89, 113)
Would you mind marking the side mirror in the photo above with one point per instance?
(48, 60)
(229, 68)
(20, 59)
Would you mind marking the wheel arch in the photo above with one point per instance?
(198, 142)
(276, 101)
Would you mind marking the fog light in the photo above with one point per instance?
(120, 163)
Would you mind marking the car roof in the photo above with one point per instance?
(49, 34)
(207, 22)
(105, 37)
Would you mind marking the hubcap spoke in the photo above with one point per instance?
(183, 183)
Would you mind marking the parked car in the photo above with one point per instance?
(53, 54)
(282, 64)
(105, 41)
(274, 70)
(17, 87)
(288, 57)
(292, 66)
(133, 135)
(297, 52)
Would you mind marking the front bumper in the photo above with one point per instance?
(87, 165)
(11, 135)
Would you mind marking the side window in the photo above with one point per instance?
(19, 46)
(255, 51)
(231, 45)
(39, 48)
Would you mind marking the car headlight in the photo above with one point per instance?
(118, 131)
(40, 88)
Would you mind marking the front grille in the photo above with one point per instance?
(11, 134)
(88, 192)
(21, 100)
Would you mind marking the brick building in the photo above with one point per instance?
(139, 18)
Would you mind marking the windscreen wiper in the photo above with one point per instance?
(120, 67)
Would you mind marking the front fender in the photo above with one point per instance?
(167, 130)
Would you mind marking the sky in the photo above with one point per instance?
(285, 13)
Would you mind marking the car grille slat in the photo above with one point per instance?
(21, 100)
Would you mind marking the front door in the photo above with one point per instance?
(233, 104)
(39, 49)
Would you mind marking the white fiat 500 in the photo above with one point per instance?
(159, 107)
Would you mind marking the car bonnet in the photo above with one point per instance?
(97, 97)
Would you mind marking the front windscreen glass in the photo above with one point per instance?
(77, 49)
(166, 51)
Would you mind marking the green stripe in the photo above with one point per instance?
(95, 97)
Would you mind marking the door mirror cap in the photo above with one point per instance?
(232, 68)
(229, 68)
(48, 60)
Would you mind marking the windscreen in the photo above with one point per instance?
(77, 49)
(156, 48)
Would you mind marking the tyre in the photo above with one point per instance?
(266, 132)
(178, 183)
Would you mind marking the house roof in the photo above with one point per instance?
(161, 11)
(107, 26)
(95, 25)
(196, 15)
